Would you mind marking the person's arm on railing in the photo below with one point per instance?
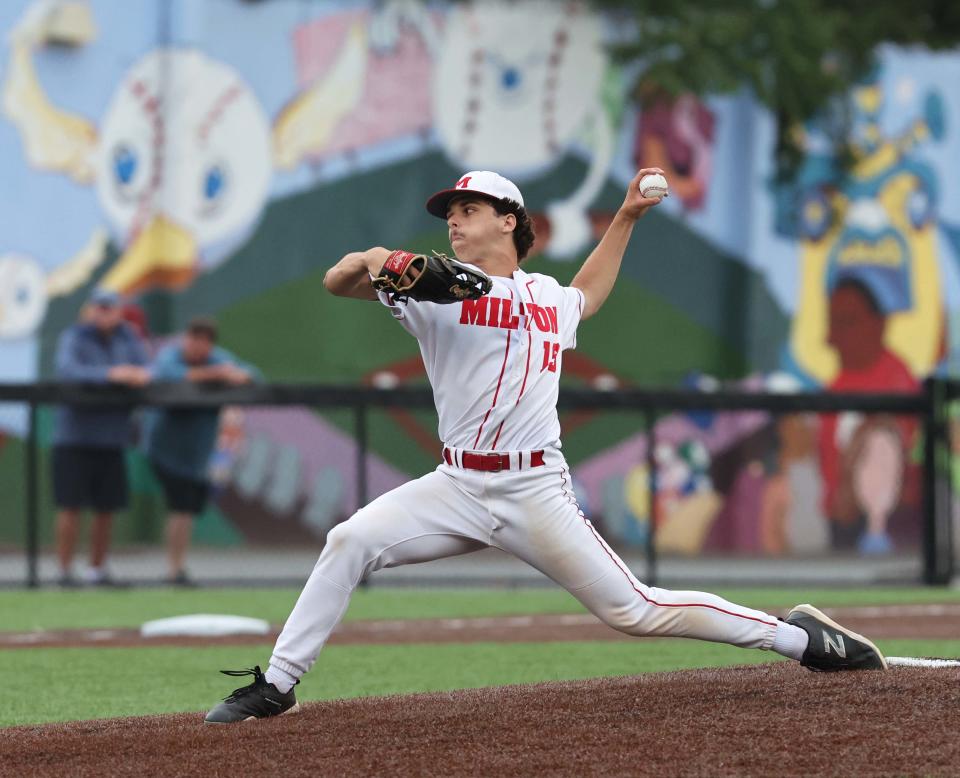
(70, 366)
(350, 277)
(169, 366)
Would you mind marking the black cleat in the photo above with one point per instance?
(832, 647)
(259, 700)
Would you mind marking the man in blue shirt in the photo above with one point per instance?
(88, 442)
(179, 441)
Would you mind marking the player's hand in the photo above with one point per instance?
(635, 204)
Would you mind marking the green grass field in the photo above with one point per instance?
(48, 684)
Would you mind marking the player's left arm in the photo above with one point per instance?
(599, 272)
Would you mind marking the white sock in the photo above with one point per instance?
(282, 679)
(790, 641)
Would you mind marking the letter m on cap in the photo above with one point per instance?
(463, 183)
(837, 645)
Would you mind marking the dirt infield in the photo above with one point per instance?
(894, 621)
(765, 720)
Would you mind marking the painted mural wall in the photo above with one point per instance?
(218, 157)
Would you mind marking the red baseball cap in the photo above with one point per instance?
(481, 182)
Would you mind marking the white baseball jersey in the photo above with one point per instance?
(497, 392)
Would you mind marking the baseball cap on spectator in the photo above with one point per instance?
(105, 297)
(482, 182)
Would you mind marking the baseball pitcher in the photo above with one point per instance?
(492, 338)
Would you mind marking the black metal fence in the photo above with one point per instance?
(930, 406)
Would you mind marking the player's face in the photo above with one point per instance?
(474, 228)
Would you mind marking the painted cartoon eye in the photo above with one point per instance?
(213, 187)
(127, 166)
(214, 182)
(816, 214)
(920, 205)
(124, 164)
(510, 77)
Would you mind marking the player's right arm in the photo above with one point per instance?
(350, 277)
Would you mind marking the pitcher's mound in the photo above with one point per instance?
(776, 719)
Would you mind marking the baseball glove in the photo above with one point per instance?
(436, 279)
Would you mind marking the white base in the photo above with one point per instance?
(204, 625)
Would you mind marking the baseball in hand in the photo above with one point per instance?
(653, 185)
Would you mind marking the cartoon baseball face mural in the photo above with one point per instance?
(515, 86)
(184, 154)
(182, 166)
(514, 82)
(26, 288)
(23, 300)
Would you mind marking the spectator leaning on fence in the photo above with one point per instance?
(179, 441)
(88, 442)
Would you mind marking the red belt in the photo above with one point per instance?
(491, 463)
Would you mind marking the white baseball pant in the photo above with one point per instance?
(531, 513)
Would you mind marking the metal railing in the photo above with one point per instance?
(930, 405)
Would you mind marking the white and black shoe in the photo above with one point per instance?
(833, 648)
(258, 700)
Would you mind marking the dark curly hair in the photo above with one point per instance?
(523, 234)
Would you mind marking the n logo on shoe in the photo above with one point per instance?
(837, 645)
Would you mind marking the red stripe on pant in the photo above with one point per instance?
(627, 575)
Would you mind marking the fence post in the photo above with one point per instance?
(360, 433)
(937, 559)
(33, 579)
(946, 535)
(650, 417)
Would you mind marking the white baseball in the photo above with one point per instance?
(653, 185)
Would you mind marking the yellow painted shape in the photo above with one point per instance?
(53, 139)
(915, 335)
(636, 490)
(163, 254)
(808, 335)
(304, 126)
(77, 271)
(868, 98)
(685, 529)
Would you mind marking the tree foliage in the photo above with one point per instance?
(798, 57)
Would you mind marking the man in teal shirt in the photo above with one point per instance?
(179, 441)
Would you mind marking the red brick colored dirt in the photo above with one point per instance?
(776, 719)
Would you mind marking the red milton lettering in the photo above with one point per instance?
(540, 317)
(508, 321)
(474, 311)
(498, 312)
